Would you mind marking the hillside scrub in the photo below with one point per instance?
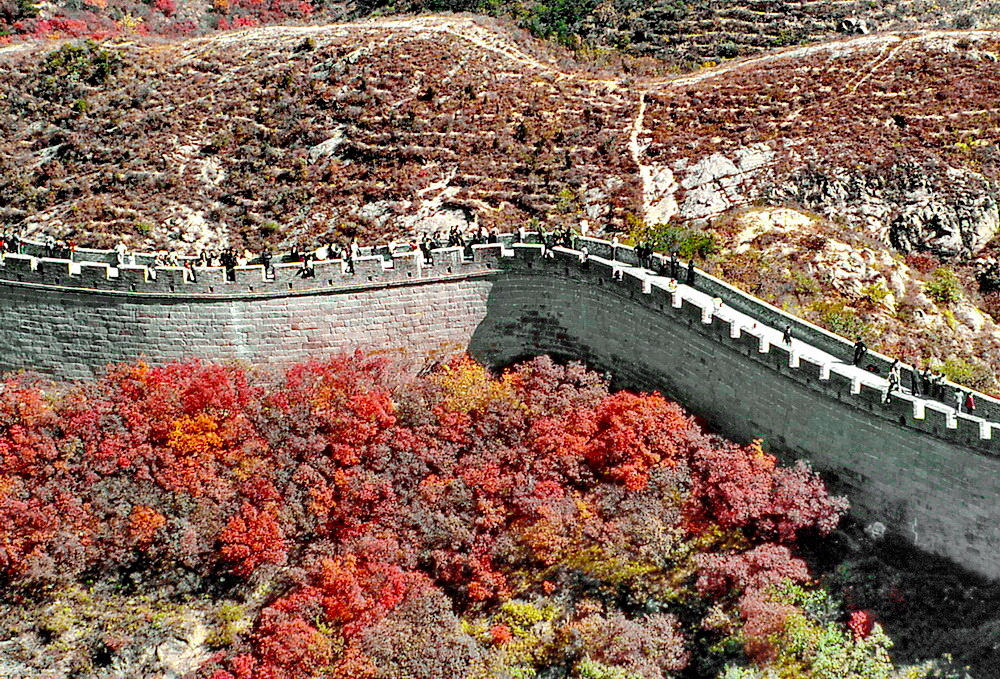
(683, 33)
(913, 307)
(346, 519)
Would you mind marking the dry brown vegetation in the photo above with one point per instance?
(383, 128)
(878, 106)
(229, 131)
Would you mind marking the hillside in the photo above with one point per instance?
(681, 33)
(375, 123)
(285, 135)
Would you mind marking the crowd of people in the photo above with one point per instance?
(14, 242)
(928, 383)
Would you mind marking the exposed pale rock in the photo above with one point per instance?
(949, 211)
(759, 222)
(328, 148)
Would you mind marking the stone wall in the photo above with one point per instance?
(75, 334)
(925, 480)
(929, 475)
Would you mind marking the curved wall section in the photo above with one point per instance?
(940, 494)
(931, 475)
(75, 333)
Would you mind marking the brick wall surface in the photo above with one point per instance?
(934, 484)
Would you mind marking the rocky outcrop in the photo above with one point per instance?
(951, 212)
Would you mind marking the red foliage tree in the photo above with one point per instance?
(251, 538)
(743, 487)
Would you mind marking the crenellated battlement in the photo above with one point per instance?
(99, 275)
(96, 271)
(927, 472)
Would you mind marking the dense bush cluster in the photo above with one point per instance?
(456, 524)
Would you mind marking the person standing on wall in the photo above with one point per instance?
(860, 349)
(690, 273)
(915, 380)
(786, 337)
(674, 265)
(893, 381)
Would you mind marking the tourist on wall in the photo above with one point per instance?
(674, 265)
(860, 349)
(970, 403)
(893, 381)
(786, 336)
(690, 273)
(307, 270)
(937, 379)
(915, 381)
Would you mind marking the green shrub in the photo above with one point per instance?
(589, 669)
(805, 285)
(944, 287)
(727, 50)
(669, 237)
(558, 19)
(231, 620)
(521, 617)
(85, 62)
(840, 319)
(972, 374)
(874, 295)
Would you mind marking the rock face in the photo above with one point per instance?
(831, 274)
(951, 212)
(852, 131)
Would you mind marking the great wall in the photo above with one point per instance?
(928, 473)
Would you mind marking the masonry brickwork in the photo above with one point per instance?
(928, 474)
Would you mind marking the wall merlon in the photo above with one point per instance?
(95, 271)
(484, 252)
(839, 383)
(133, 274)
(810, 368)
(404, 263)
(528, 251)
(748, 343)
(870, 394)
(371, 265)
(635, 283)
(252, 274)
(735, 328)
(19, 263)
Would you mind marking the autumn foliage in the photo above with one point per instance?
(379, 508)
